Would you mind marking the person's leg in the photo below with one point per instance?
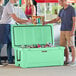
(9, 53)
(9, 46)
(64, 43)
(73, 53)
(1, 45)
(71, 44)
(66, 52)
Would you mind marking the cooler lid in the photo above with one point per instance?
(28, 35)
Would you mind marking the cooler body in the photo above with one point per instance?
(39, 57)
(23, 35)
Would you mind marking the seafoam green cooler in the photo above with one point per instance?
(35, 57)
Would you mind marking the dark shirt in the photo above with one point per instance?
(66, 16)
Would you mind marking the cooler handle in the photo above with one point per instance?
(18, 55)
(44, 51)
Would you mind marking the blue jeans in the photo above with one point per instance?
(6, 39)
(9, 52)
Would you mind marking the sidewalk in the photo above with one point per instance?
(11, 70)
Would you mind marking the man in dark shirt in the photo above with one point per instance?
(67, 16)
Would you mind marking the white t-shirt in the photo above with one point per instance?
(1, 11)
(8, 10)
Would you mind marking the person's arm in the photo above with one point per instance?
(33, 10)
(73, 19)
(10, 11)
(52, 21)
(17, 19)
(73, 28)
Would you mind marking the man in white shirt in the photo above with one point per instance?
(8, 13)
(5, 37)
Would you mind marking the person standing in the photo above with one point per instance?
(30, 9)
(67, 16)
(5, 33)
(1, 11)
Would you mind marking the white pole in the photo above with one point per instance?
(45, 10)
(18, 11)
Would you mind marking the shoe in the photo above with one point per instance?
(5, 64)
(1, 64)
(11, 63)
(65, 63)
(72, 64)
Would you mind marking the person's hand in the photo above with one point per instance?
(44, 23)
(29, 20)
(72, 33)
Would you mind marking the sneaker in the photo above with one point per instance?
(65, 63)
(11, 63)
(1, 64)
(72, 64)
(5, 64)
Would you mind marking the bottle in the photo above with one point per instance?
(47, 45)
(22, 46)
(51, 45)
(38, 46)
